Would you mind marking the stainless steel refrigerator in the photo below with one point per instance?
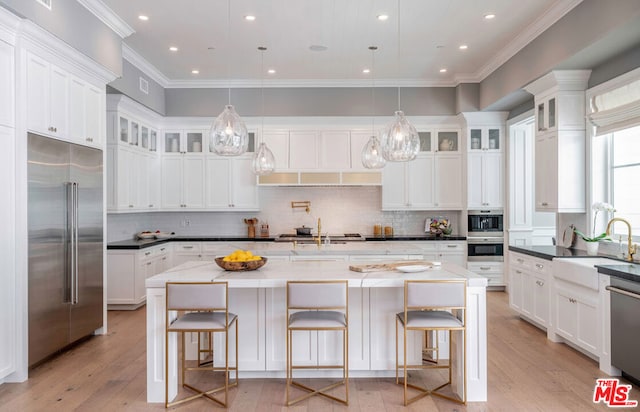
(65, 244)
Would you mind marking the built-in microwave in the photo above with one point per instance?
(485, 223)
(488, 249)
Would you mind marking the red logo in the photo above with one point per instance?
(613, 394)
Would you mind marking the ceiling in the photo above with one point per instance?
(420, 38)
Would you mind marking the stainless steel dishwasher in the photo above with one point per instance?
(625, 327)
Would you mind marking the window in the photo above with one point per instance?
(624, 178)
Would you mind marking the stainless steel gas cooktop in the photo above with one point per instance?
(345, 237)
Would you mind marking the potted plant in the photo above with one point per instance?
(592, 241)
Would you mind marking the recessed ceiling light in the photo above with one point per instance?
(249, 17)
(489, 16)
(382, 17)
(366, 71)
(463, 47)
(143, 17)
(173, 48)
(443, 70)
(317, 48)
(195, 71)
(271, 71)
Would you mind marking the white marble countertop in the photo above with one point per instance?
(276, 273)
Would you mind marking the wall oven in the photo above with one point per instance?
(485, 239)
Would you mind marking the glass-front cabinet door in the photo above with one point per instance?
(124, 130)
(172, 142)
(135, 134)
(425, 141)
(144, 137)
(486, 138)
(448, 141)
(194, 142)
(153, 140)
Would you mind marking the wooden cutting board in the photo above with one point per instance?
(379, 267)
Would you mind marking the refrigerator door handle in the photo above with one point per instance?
(74, 248)
(68, 245)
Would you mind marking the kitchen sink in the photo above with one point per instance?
(580, 271)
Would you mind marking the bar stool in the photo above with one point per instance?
(433, 306)
(207, 311)
(318, 306)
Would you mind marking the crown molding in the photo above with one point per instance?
(143, 64)
(539, 26)
(108, 17)
(314, 83)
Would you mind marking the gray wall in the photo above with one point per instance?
(620, 64)
(522, 108)
(75, 25)
(129, 84)
(321, 101)
(588, 23)
(467, 97)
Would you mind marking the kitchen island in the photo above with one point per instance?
(258, 298)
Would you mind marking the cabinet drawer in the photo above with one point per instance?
(483, 268)
(188, 247)
(452, 247)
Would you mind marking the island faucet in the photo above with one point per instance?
(631, 247)
(319, 239)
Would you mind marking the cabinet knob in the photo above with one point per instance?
(164, 258)
(545, 204)
(519, 272)
(150, 205)
(539, 266)
(147, 253)
(539, 283)
(130, 205)
(148, 263)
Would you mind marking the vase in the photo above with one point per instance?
(592, 248)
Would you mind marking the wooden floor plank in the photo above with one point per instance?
(526, 372)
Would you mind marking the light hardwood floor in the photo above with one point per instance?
(526, 373)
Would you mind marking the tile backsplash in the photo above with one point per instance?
(341, 209)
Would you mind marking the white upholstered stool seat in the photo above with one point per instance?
(429, 306)
(429, 319)
(201, 308)
(317, 319)
(202, 320)
(317, 306)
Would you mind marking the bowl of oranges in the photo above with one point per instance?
(241, 260)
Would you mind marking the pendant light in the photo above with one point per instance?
(372, 151)
(263, 160)
(228, 135)
(400, 140)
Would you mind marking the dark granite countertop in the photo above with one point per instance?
(629, 271)
(415, 237)
(550, 252)
(142, 244)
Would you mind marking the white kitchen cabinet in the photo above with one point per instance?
(127, 271)
(335, 150)
(188, 251)
(278, 143)
(9, 328)
(303, 150)
(431, 181)
(231, 184)
(357, 144)
(560, 141)
(493, 271)
(177, 142)
(485, 179)
(317, 348)
(576, 315)
(7, 84)
(132, 184)
(485, 138)
(183, 182)
(47, 98)
(86, 113)
(529, 287)
(444, 251)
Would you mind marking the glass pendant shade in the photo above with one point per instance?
(400, 140)
(228, 135)
(263, 161)
(372, 154)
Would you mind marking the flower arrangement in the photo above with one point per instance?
(597, 207)
(440, 226)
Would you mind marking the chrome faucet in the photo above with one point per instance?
(319, 239)
(631, 247)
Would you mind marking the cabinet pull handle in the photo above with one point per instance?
(539, 283)
(622, 292)
(148, 263)
(130, 205)
(162, 249)
(545, 204)
(452, 245)
(150, 205)
(519, 272)
(520, 260)
(485, 268)
(164, 258)
(539, 266)
(187, 247)
(147, 253)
